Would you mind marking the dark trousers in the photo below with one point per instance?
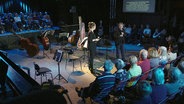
(120, 52)
(89, 91)
(91, 58)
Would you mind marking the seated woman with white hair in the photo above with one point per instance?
(144, 63)
(162, 52)
(159, 90)
(134, 70)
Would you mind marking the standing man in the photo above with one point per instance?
(119, 38)
(91, 44)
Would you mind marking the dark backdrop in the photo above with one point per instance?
(95, 10)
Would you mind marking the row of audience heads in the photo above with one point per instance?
(158, 77)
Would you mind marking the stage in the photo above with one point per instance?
(76, 76)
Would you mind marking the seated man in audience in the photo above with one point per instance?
(147, 32)
(18, 21)
(174, 84)
(144, 63)
(102, 85)
(121, 77)
(143, 90)
(159, 90)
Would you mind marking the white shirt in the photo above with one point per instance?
(17, 19)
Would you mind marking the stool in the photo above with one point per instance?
(73, 58)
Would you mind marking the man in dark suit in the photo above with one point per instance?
(119, 38)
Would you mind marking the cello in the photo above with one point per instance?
(45, 40)
(31, 49)
(74, 37)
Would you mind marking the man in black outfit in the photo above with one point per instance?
(91, 44)
(119, 38)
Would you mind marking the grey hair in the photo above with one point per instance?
(143, 54)
(132, 59)
(162, 51)
(119, 64)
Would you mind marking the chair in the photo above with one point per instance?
(72, 58)
(175, 98)
(133, 81)
(42, 72)
(100, 98)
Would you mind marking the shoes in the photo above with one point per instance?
(78, 91)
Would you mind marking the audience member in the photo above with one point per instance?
(128, 31)
(18, 21)
(153, 57)
(102, 85)
(159, 90)
(24, 21)
(147, 31)
(1, 26)
(121, 77)
(174, 84)
(172, 52)
(144, 63)
(144, 90)
(156, 34)
(134, 71)
(162, 52)
(134, 39)
(140, 34)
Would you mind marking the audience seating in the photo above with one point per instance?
(176, 98)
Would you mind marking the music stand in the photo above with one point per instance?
(58, 57)
(85, 44)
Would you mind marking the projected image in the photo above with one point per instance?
(143, 6)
